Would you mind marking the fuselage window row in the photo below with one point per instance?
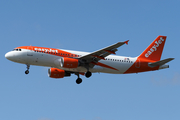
(57, 53)
(119, 60)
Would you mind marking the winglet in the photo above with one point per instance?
(126, 42)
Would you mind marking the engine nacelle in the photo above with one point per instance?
(57, 73)
(69, 62)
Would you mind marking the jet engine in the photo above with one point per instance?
(69, 62)
(57, 73)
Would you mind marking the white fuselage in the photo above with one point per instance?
(111, 64)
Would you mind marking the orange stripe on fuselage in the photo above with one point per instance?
(51, 51)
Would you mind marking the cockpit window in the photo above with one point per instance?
(17, 50)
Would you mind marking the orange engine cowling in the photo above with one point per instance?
(57, 73)
(69, 62)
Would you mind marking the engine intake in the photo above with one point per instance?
(69, 62)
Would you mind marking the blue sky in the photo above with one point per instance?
(89, 25)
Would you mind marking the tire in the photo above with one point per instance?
(27, 72)
(79, 80)
(88, 74)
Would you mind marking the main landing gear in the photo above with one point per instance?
(79, 80)
(88, 74)
(27, 71)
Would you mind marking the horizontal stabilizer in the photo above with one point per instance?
(161, 62)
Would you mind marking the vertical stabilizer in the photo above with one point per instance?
(154, 50)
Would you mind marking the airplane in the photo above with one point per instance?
(63, 63)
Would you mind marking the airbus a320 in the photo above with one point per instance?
(63, 63)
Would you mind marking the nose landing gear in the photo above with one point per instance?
(27, 71)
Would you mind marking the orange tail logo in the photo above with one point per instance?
(154, 50)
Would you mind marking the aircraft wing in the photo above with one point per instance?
(102, 53)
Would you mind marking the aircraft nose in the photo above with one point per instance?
(9, 55)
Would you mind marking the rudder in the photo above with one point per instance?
(154, 50)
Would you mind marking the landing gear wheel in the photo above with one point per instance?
(79, 80)
(27, 72)
(88, 74)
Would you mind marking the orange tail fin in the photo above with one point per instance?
(154, 50)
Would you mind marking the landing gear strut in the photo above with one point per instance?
(27, 71)
(79, 80)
